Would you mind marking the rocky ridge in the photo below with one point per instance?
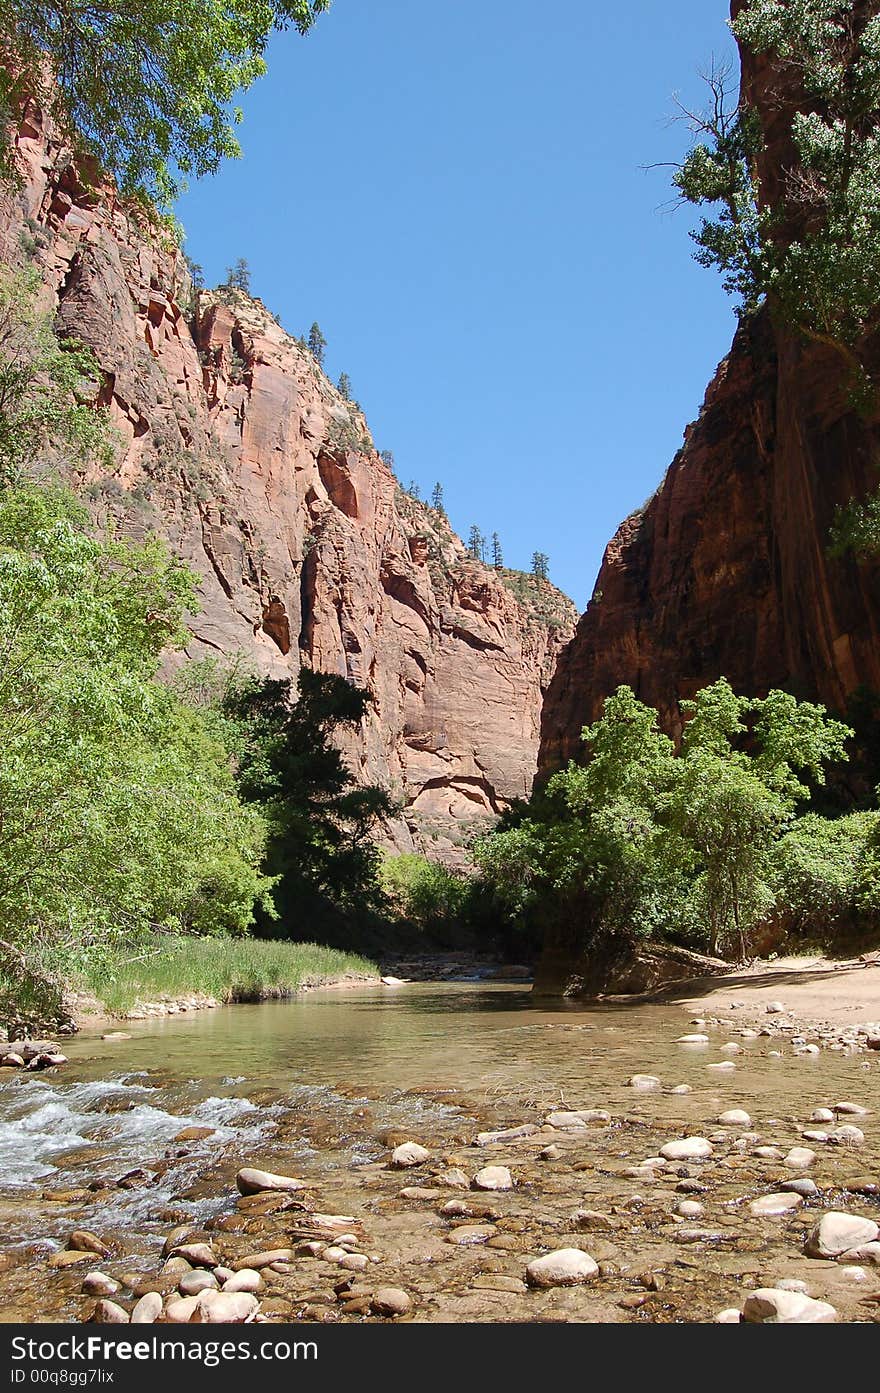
(234, 446)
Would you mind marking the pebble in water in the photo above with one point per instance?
(493, 1178)
(687, 1149)
(837, 1232)
(409, 1153)
(566, 1267)
(253, 1182)
(735, 1117)
(148, 1309)
(775, 1305)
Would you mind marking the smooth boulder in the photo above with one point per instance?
(566, 1267)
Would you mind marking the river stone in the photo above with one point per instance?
(391, 1301)
(99, 1284)
(496, 1281)
(467, 1234)
(866, 1252)
(196, 1254)
(225, 1308)
(109, 1313)
(847, 1136)
(767, 1205)
(194, 1134)
(508, 1134)
(735, 1117)
(850, 1109)
(455, 1178)
(84, 1241)
(265, 1259)
(148, 1309)
(792, 1284)
(681, 1088)
(774, 1008)
(854, 1274)
(821, 1115)
(409, 1154)
(422, 1192)
(767, 1153)
(725, 1067)
(730, 1316)
(837, 1233)
(551, 1152)
(354, 1262)
(69, 1258)
(692, 1040)
(773, 1305)
(180, 1311)
(799, 1158)
(687, 1149)
(191, 1283)
(493, 1178)
(254, 1182)
(690, 1209)
(246, 1280)
(567, 1267)
(802, 1186)
(645, 1082)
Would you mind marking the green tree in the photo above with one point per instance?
(437, 499)
(47, 385)
(540, 565)
(695, 844)
(387, 457)
(497, 554)
(238, 277)
(148, 87)
(118, 808)
(344, 386)
(319, 854)
(812, 249)
(476, 543)
(317, 344)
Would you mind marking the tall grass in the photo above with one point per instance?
(230, 969)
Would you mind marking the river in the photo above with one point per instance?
(321, 1087)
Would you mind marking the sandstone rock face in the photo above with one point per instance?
(235, 447)
(726, 570)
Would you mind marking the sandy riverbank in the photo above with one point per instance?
(816, 990)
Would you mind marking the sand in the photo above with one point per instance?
(814, 989)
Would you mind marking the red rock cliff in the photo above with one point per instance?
(235, 447)
(726, 570)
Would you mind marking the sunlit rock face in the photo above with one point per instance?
(234, 446)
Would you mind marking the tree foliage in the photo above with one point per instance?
(811, 248)
(646, 839)
(317, 344)
(149, 85)
(47, 385)
(238, 276)
(319, 851)
(118, 809)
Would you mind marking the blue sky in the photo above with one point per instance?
(456, 192)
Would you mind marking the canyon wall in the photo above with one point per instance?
(726, 570)
(233, 445)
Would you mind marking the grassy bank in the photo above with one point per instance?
(230, 969)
